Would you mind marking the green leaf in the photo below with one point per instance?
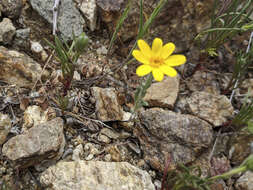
(120, 22)
(250, 126)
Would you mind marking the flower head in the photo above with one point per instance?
(157, 59)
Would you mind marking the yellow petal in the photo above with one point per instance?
(168, 70)
(140, 57)
(158, 74)
(143, 70)
(157, 45)
(144, 47)
(167, 50)
(175, 60)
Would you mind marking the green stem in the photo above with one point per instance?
(228, 174)
(142, 92)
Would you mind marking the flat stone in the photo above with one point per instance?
(165, 133)
(245, 182)
(40, 143)
(216, 109)
(107, 105)
(69, 19)
(95, 175)
(164, 93)
(5, 127)
(18, 68)
(7, 31)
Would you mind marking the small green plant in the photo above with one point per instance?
(68, 56)
(244, 117)
(243, 62)
(232, 18)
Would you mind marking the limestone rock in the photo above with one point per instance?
(19, 69)
(165, 133)
(245, 182)
(107, 105)
(5, 127)
(164, 93)
(89, 9)
(68, 19)
(11, 8)
(40, 143)
(95, 175)
(216, 109)
(204, 81)
(7, 31)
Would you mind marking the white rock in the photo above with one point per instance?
(89, 9)
(76, 76)
(95, 175)
(36, 47)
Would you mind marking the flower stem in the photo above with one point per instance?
(228, 174)
(141, 92)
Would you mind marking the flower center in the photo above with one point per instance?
(156, 62)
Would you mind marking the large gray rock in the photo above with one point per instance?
(7, 31)
(216, 109)
(5, 127)
(164, 93)
(95, 175)
(165, 133)
(68, 19)
(19, 69)
(40, 143)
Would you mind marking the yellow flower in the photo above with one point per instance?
(157, 59)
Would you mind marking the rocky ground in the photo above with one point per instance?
(93, 145)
